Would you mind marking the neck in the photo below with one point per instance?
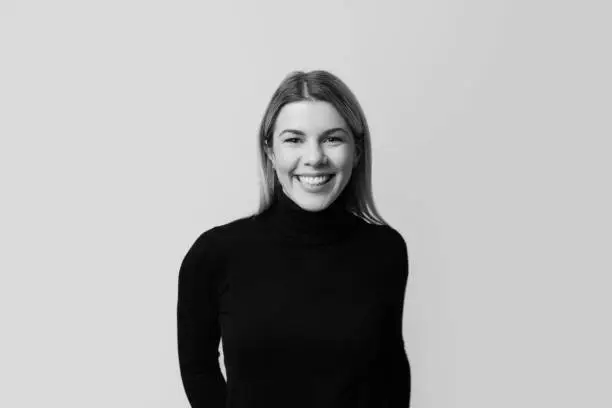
(298, 225)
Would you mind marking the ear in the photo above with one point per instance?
(269, 153)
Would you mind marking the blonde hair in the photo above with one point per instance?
(321, 85)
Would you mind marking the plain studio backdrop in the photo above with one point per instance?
(129, 127)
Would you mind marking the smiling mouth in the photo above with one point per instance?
(327, 179)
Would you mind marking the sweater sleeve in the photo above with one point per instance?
(399, 366)
(198, 331)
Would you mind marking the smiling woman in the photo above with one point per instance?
(307, 292)
(314, 106)
(312, 171)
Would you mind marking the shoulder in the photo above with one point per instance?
(202, 250)
(216, 239)
(387, 236)
(396, 241)
(391, 243)
(207, 254)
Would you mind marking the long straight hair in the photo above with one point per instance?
(323, 86)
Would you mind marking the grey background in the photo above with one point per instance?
(129, 127)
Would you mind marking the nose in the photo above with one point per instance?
(314, 155)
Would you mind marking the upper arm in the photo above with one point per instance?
(198, 327)
(399, 254)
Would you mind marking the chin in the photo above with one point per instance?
(315, 204)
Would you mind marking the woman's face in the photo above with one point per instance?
(311, 138)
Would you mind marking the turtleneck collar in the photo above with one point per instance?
(310, 227)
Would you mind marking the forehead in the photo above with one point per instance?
(308, 116)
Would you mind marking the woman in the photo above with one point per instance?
(308, 292)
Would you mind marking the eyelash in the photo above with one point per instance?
(296, 138)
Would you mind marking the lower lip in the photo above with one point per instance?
(315, 188)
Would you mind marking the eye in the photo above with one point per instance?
(338, 139)
(289, 140)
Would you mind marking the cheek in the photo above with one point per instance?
(283, 167)
(343, 160)
(284, 160)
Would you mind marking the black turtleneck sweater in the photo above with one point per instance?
(309, 306)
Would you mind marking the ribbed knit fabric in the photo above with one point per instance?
(309, 308)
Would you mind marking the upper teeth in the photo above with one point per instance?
(314, 180)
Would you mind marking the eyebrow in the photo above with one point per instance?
(325, 133)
